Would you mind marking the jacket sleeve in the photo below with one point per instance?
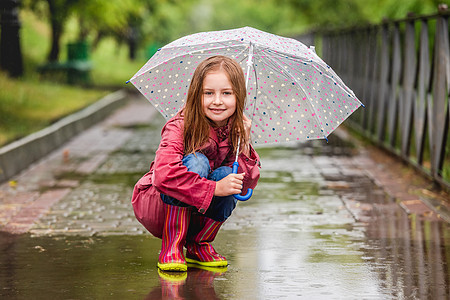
(172, 178)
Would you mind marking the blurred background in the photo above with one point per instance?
(58, 56)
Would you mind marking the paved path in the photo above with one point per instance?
(27, 199)
(54, 197)
(326, 221)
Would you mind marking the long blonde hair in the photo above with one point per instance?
(196, 124)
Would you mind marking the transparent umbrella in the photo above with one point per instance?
(292, 94)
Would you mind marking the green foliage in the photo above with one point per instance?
(31, 103)
(106, 13)
(157, 22)
(326, 14)
(329, 13)
(266, 15)
(34, 45)
(106, 25)
(106, 17)
(116, 74)
(164, 21)
(397, 9)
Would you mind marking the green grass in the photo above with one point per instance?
(33, 102)
(28, 105)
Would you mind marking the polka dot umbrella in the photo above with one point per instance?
(293, 95)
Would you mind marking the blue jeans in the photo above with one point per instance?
(221, 207)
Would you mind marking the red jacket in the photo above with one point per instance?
(169, 176)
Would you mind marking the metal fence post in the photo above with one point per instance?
(409, 76)
(383, 87)
(406, 95)
(394, 88)
(439, 123)
(423, 88)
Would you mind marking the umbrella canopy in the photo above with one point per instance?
(293, 95)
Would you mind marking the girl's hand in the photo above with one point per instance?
(230, 185)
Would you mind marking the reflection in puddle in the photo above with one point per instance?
(313, 230)
(197, 283)
(410, 255)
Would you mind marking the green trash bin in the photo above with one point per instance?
(78, 63)
(78, 51)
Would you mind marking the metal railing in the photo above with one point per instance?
(400, 70)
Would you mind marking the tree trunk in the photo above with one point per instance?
(83, 29)
(132, 42)
(99, 36)
(10, 50)
(56, 20)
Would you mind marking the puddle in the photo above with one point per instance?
(300, 256)
(77, 268)
(315, 228)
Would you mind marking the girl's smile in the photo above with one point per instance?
(218, 99)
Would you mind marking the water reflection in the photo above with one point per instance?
(197, 283)
(313, 230)
(410, 254)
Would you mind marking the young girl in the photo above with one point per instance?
(187, 194)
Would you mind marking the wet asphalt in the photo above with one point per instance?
(319, 226)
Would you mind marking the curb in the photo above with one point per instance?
(18, 155)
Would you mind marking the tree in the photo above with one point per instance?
(98, 17)
(119, 19)
(327, 14)
(10, 50)
(57, 12)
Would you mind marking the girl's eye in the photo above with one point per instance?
(208, 93)
(227, 93)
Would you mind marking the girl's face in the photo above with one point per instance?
(218, 99)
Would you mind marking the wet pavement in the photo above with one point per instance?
(325, 222)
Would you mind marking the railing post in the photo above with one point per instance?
(374, 77)
(383, 86)
(439, 122)
(404, 85)
(409, 76)
(394, 90)
(423, 88)
(369, 61)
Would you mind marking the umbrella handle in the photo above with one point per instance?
(249, 191)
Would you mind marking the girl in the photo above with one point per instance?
(187, 194)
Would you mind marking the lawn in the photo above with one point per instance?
(32, 102)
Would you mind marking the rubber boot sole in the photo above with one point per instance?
(215, 263)
(172, 267)
(172, 276)
(217, 270)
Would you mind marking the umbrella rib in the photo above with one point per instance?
(223, 45)
(295, 87)
(299, 85)
(256, 90)
(194, 52)
(238, 43)
(326, 69)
